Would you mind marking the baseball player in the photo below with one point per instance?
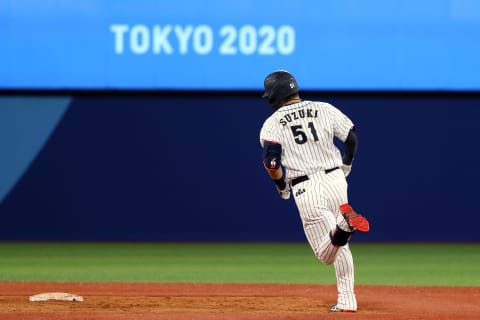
(300, 156)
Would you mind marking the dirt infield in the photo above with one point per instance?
(119, 301)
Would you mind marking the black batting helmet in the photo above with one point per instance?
(278, 86)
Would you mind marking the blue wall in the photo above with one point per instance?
(187, 167)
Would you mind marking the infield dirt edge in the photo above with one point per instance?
(121, 300)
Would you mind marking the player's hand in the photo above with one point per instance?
(285, 193)
(346, 169)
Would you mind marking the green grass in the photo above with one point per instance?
(418, 264)
(388, 264)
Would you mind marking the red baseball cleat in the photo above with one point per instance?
(354, 220)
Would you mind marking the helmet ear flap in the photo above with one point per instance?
(274, 104)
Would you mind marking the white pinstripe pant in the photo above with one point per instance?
(318, 206)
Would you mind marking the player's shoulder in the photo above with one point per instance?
(268, 124)
(322, 106)
(313, 103)
(269, 119)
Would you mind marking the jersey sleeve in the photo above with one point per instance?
(341, 123)
(268, 132)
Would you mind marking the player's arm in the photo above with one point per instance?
(272, 161)
(350, 149)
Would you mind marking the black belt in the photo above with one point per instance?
(297, 180)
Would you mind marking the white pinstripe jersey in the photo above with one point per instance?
(306, 132)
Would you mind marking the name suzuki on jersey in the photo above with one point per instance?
(298, 114)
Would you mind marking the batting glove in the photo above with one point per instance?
(285, 193)
(346, 169)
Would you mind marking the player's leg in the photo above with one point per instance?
(336, 187)
(344, 271)
(318, 206)
(315, 206)
(317, 231)
(316, 219)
